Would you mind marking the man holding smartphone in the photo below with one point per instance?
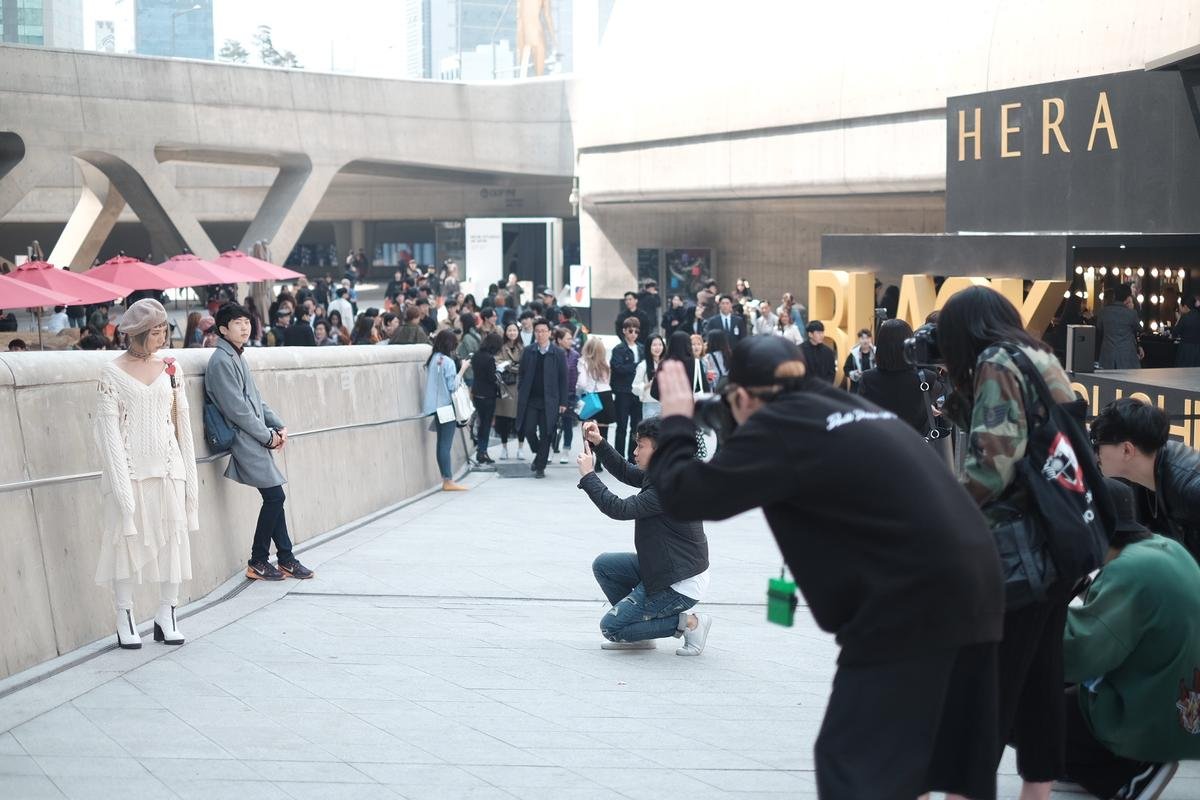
(653, 589)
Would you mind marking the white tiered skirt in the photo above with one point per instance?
(161, 550)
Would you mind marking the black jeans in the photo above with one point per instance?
(485, 409)
(1031, 684)
(1089, 763)
(540, 435)
(629, 415)
(272, 527)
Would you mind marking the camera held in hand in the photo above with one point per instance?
(713, 414)
(921, 349)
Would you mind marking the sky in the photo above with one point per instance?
(363, 37)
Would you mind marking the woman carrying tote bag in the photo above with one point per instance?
(594, 376)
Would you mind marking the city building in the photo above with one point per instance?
(177, 28)
(50, 23)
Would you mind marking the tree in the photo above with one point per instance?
(233, 52)
(267, 53)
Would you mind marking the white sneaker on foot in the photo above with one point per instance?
(693, 641)
(647, 644)
(563, 459)
(504, 452)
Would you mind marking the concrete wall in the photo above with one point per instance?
(49, 544)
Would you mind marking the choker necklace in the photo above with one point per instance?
(139, 356)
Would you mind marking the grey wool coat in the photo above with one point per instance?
(230, 386)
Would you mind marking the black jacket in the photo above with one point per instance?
(485, 385)
(668, 550)
(553, 392)
(899, 391)
(1177, 478)
(643, 332)
(677, 319)
(624, 366)
(908, 567)
(737, 326)
(299, 334)
(822, 363)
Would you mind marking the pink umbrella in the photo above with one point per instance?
(136, 275)
(205, 273)
(83, 288)
(255, 269)
(17, 294)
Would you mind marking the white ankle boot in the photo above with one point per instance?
(127, 635)
(165, 629)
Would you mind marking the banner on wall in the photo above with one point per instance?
(581, 287)
(485, 251)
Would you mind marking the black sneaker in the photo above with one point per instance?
(1149, 783)
(541, 473)
(296, 570)
(263, 571)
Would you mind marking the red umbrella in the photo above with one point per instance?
(135, 275)
(83, 288)
(18, 294)
(255, 269)
(205, 273)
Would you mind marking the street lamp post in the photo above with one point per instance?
(175, 16)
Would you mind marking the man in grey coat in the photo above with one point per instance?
(1117, 326)
(257, 431)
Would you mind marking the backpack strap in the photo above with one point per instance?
(1033, 376)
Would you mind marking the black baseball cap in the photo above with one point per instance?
(756, 359)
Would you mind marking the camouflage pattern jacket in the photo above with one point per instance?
(998, 426)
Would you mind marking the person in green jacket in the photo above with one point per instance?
(1133, 652)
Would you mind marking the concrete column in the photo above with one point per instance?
(99, 206)
(358, 234)
(289, 205)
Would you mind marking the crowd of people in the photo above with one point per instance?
(953, 647)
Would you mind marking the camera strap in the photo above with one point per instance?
(931, 428)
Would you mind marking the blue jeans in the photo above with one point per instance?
(445, 438)
(636, 615)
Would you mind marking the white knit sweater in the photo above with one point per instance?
(142, 438)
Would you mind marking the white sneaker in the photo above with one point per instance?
(504, 452)
(647, 644)
(693, 641)
(520, 452)
(564, 458)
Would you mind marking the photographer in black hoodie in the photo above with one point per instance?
(907, 576)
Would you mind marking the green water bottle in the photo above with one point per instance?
(781, 601)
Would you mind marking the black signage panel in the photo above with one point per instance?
(1108, 153)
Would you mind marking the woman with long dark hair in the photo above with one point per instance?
(192, 335)
(511, 349)
(337, 328)
(656, 351)
(364, 330)
(895, 385)
(441, 379)
(680, 349)
(256, 321)
(719, 353)
(485, 392)
(992, 400)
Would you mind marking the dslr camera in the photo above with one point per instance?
(713, 414)
(921, 349)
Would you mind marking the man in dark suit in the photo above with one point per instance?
(300, 332)
(733, 324)
(541, 394)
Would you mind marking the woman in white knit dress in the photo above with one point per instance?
(149, 486)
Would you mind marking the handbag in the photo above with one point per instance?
(462, 404)
(590, 405)
(218, 433)
(1062, 532)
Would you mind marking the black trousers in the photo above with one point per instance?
(539, 433)
(485, 410)
(628, 409)
(1031, 684)
(897, 729)
(272, 527)
(1089, 763)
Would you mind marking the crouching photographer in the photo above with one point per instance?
(1030, 468)
(906, 576)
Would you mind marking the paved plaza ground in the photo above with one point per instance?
(447, 650)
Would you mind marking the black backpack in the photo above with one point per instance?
(1063, 533)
